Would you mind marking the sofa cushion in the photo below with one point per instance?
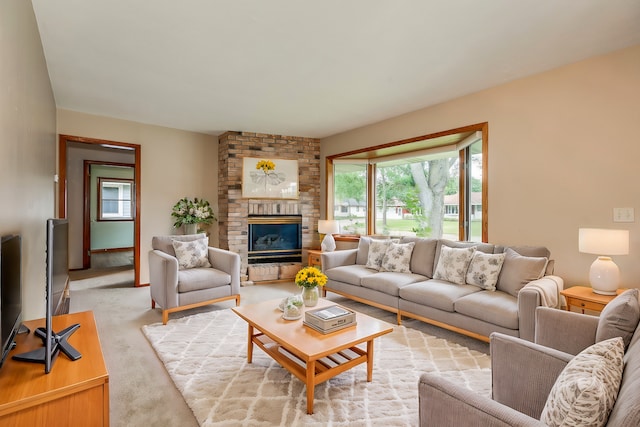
(363, 250)
(498, 308)
(389, 282)
(535, 251)
(192, 254)
(398, 258)
(453, 264)
(518, 270)
(436, 293)
(377, 249)
(587, 387)
(484, 270)
(620, 317)
(195, 279)
(423, 256)
(351, 274)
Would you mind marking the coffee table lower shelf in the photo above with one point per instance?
(315, 371)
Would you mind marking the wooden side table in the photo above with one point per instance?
(584, 298)
(313, 258)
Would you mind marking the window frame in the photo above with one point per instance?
(410, 147)
(100, 215)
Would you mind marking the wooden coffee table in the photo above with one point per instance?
(309, 355)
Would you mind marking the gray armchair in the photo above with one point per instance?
(175, 289)
(523, 373)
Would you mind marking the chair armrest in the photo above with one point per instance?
(523, 373)
(163, 278)
(541, 292)
(443, 404)
(229, 262)
(564, 330)
(338, 258)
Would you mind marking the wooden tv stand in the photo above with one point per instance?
(72, 394)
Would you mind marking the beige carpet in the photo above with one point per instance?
(205, 355)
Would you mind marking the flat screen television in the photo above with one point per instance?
(57, 278)
(10, 292)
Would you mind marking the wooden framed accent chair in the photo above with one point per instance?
(186, 273)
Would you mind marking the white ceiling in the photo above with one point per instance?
(308, 68)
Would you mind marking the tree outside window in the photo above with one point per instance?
(436, 191)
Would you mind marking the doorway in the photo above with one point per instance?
(76, 155)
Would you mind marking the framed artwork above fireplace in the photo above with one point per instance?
(269, 178)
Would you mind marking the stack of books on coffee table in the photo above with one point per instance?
(329, 319)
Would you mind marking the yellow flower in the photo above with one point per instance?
(310, 277)
(266, 165)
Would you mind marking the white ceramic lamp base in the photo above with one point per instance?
(604, 276)
(328, 243)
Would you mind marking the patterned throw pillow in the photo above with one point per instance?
(192, 254)
(377, 249)
(398, 258)
(587, 387)
(453, 264)
(484, 270)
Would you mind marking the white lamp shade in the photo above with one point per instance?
(328, 226)
(601, 241)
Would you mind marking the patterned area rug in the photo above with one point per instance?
(205, 355)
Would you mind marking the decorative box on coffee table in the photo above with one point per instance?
(329, 319)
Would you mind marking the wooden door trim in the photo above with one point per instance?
(62, 186)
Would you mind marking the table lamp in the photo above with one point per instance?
(604, 274)
(328, 227)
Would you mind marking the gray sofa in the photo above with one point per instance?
(524, 374)
(468, 309)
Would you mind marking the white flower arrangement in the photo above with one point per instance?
(196, 211)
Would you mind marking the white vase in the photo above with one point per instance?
(190, 228)
(310, 296)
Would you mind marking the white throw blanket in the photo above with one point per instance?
(549, 288)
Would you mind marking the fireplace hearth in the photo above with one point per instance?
(274, 238)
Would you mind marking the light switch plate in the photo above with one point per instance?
(623, 215)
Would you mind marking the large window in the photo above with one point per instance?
(350, 196)
(430, 186)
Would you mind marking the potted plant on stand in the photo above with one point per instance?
(190, 214)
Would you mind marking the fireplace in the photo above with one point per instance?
(275, 238)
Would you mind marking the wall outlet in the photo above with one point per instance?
(623, 215)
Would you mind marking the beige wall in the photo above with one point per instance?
(563, 152)
(175, 164)
(27, 146)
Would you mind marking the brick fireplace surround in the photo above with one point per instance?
(234, 209)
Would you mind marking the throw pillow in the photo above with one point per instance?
(453, 264)
(398, 258)
(192, 254)
(587, 388)
(484, 270)
(620, 317)
(518, 270)
(363, 250)
(377, 249)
